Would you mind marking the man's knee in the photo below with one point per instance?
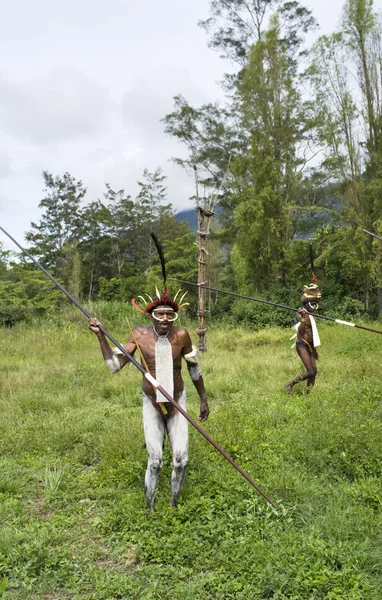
(155, 464)
(181, 461)
(312, 372)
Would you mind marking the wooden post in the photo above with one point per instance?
(204, 216)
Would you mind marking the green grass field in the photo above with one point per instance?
(72, 508)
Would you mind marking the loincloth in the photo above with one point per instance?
(306, 344)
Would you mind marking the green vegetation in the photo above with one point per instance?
(72, 509)
(289, 161)
(292, 156)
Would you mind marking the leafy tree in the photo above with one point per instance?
(95, 246)
(211, 135)
(278, 124)
(59, 229)
(235, 25)
(362, 34)
(350, 126)
(25, 293)
(131, 222)
(121, 229)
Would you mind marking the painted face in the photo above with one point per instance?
(163, 318)
(164, 314)
(312, 306)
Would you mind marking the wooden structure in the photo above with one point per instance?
(204, 216)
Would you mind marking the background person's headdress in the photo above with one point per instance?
(161, 299)
(311, 293)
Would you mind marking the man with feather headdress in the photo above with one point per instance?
(162, 347)
(307, 338)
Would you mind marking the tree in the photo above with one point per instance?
(95, 246)
(121, 230)
(58, 232)
(211, 135)
(235, 25)
(131, 222)
(350, 126)
(362, 34)
(280, 131)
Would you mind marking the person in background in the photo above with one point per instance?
(307, 338)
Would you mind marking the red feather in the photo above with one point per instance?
(137, 307)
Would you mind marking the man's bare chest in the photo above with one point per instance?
(148, 346)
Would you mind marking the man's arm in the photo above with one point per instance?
(191, 356)
(114, 359)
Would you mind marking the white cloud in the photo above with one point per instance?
(60, 104)
(84, 87)
(150, 97)
(5, 166)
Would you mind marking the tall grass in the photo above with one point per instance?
(72, 507)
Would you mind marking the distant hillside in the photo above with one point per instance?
(190, 216)
(309, 223)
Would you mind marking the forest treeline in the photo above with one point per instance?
(292, 158)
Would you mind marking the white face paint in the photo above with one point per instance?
(313, 306)
(163, 315)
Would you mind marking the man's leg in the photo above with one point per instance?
(310, 367)
(177, 429)
(311, 380)
(154, 429)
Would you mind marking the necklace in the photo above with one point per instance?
(163, 365)
(158, 335)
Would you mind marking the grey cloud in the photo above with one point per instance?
(33, 18)
(58, 105)
(151, 98)
(5, 167)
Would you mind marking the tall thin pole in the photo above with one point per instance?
(202, 236)
(148, 376)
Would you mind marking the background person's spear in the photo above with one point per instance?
(149, 377)
(339, 321)
(372, 234)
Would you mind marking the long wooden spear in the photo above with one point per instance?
(148, 376)
(372, 234)
(339, 321)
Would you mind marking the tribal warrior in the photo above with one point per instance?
(162, 347)
(307, 338)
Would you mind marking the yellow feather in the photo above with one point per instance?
(180, 299)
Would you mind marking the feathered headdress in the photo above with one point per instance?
(162, 299)
(311, 291)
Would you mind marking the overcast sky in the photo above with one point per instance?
(84, 84)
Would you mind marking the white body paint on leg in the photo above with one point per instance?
(154, 428)
(177, 428)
